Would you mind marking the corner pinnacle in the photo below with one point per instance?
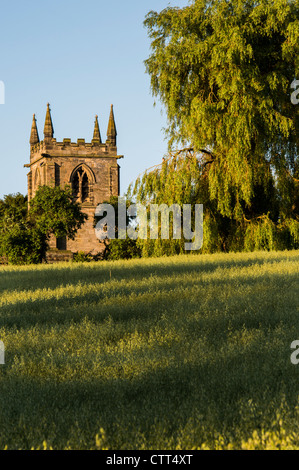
(111, 132)
(34, 137)
(48, 129)
(96, 132)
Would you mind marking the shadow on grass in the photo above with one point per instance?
(232, 392)
(151, 409)
(51, 277)
(126, 303)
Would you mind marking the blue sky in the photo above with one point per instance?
(80, 56)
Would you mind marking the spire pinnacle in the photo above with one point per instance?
(96, 132)
(48, 129)
(111, 132)
(34, 137)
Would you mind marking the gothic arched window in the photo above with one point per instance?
(81, 181)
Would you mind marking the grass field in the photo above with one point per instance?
(170, 353)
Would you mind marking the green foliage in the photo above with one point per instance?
(24, 235)
(54, 212)
(82, 257)
(172, 353)
(119, 248)
(176, 181)
(223, 72)
(20, 241)
(288, 234)
(260, 235)
(13, 208)
(23, 244)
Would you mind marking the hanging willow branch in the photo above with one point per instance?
(174, 155)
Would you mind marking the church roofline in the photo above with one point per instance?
(96, 139)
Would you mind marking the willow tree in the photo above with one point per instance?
(223, 71)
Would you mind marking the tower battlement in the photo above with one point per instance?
(95, 148)
(68, 148)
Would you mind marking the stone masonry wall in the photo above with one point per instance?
(53, 163)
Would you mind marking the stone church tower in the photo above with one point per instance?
(91, 169)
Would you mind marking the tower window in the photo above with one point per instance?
(81, 185)
(61, 243)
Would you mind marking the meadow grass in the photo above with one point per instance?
(185, 352)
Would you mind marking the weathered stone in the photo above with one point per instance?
(90, 169)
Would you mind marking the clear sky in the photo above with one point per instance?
(80, 56)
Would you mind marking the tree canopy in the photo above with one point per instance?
(54, 212)
(24, 235)
(223, 71)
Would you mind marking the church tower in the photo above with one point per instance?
(90, 168)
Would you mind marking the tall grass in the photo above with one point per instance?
(182, 352)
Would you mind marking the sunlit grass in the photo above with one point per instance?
(182, 352)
